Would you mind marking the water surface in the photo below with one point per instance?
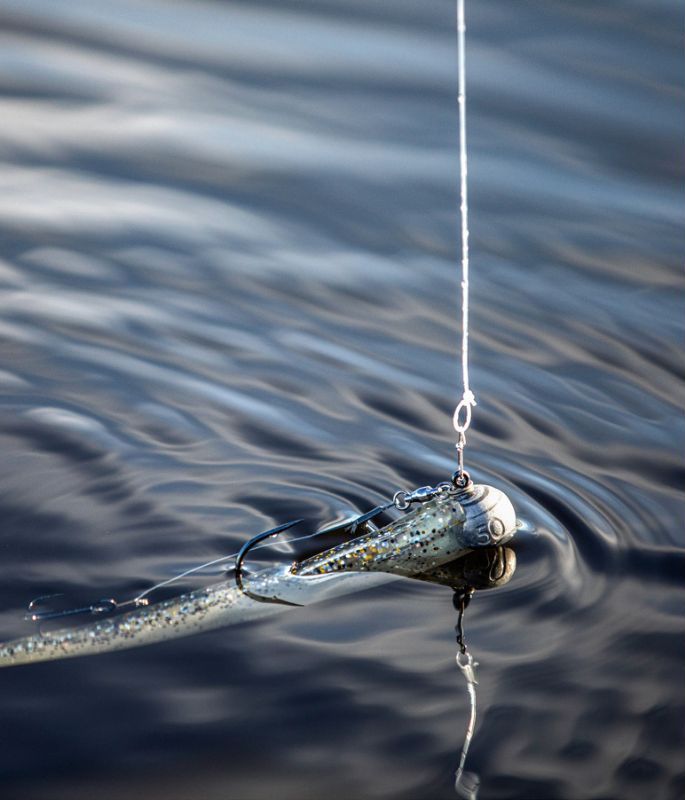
(228, 297)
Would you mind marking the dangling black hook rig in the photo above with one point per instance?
(461, 600)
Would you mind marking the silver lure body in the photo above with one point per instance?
(436, 532)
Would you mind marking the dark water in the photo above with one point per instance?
(229, 298)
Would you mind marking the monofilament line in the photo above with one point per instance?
(463, 421)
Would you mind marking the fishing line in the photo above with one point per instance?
(462, 413)
(465, 784)
(109, 604)
(402, 500)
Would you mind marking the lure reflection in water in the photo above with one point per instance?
(419, 544)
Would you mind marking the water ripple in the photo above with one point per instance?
(229, 298)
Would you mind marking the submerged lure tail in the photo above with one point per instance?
(437, 532)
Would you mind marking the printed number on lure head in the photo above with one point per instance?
(490, 516)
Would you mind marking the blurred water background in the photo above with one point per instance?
(228, 297)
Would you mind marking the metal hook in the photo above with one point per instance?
(102, 606)
(461, 600)
(245, 549)
(349, 526)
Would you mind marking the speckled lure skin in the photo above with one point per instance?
(438, 531)
(435, 533)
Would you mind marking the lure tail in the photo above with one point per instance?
(181, 616)
(216, 606)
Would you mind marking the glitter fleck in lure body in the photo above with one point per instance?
(435, 533)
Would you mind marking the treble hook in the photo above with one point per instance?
(245, 549)
(102, 606)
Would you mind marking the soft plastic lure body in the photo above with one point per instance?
(435, 533)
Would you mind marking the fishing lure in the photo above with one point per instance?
(450, 521)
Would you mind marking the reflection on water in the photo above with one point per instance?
(228, 298)
(488, 568)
